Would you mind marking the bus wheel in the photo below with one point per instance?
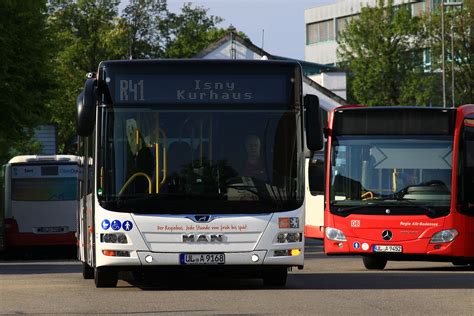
(374, 263)
(87, 271)
(275, 276)
(105, 277)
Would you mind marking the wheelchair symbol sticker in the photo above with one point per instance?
(116, 225)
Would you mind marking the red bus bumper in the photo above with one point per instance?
(30, 239)
(411, 249)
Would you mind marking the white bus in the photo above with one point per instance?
(194, 164)
(40, 201)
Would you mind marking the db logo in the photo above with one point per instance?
(355, 223)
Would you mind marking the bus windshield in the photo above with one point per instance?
(391, 171)
(44, 189)
(163, 159)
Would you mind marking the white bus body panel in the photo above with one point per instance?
(161, 236)
(314, 209)
(32, 215)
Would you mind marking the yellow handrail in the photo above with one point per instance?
(138, 174)
(394, 180)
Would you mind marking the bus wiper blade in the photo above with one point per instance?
(409, 202)
(342, 209)
(248, 188)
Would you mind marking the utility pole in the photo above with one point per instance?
(442, 53)
(447, 4)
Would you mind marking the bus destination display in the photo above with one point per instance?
(201, 89)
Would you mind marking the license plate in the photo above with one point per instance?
(387, 248)
(51, 229)
(202, 258)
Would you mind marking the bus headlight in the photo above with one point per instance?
(289, 237)
(114, 238)
(443, 236)
(335, 234)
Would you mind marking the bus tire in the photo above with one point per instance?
(105, 277)
(374, 263)
(87, 271)
(275, 276)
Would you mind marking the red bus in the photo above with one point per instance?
(400, 184)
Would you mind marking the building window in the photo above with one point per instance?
(418, 8)
(427, 60)
(341, 23)
(320, 32)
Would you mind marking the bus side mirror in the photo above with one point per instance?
(86, 102)
(314, 134)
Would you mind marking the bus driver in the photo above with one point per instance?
(254, 166)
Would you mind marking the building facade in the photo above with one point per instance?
(327, 82)
(325, 22)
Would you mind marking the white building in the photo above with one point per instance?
(325, 22)
(327, 82)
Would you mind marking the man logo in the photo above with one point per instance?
(201, 218)
(203, 238)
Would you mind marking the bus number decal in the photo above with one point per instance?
(131, 90)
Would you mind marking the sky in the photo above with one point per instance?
(281, 21)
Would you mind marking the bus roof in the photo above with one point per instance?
(44, 159)
(210, 62)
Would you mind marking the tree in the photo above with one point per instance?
(25, 73)
(83, 31)
(191, 31)
(143, 26)
(379, 49)
(89, 31)
(462, 21)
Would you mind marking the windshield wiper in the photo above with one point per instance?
(342, 209)
(429, 211)
(373, 203)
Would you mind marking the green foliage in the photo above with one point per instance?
(379, 49)
(191, 31)
(462, 21)
(25, 73)
(89, 31)
(142, 22)
(48, 46)
(80, 29)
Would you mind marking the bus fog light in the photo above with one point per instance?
(335, 234)
(255, 258)
(295, 252)
(444, 236)
(149, 259)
